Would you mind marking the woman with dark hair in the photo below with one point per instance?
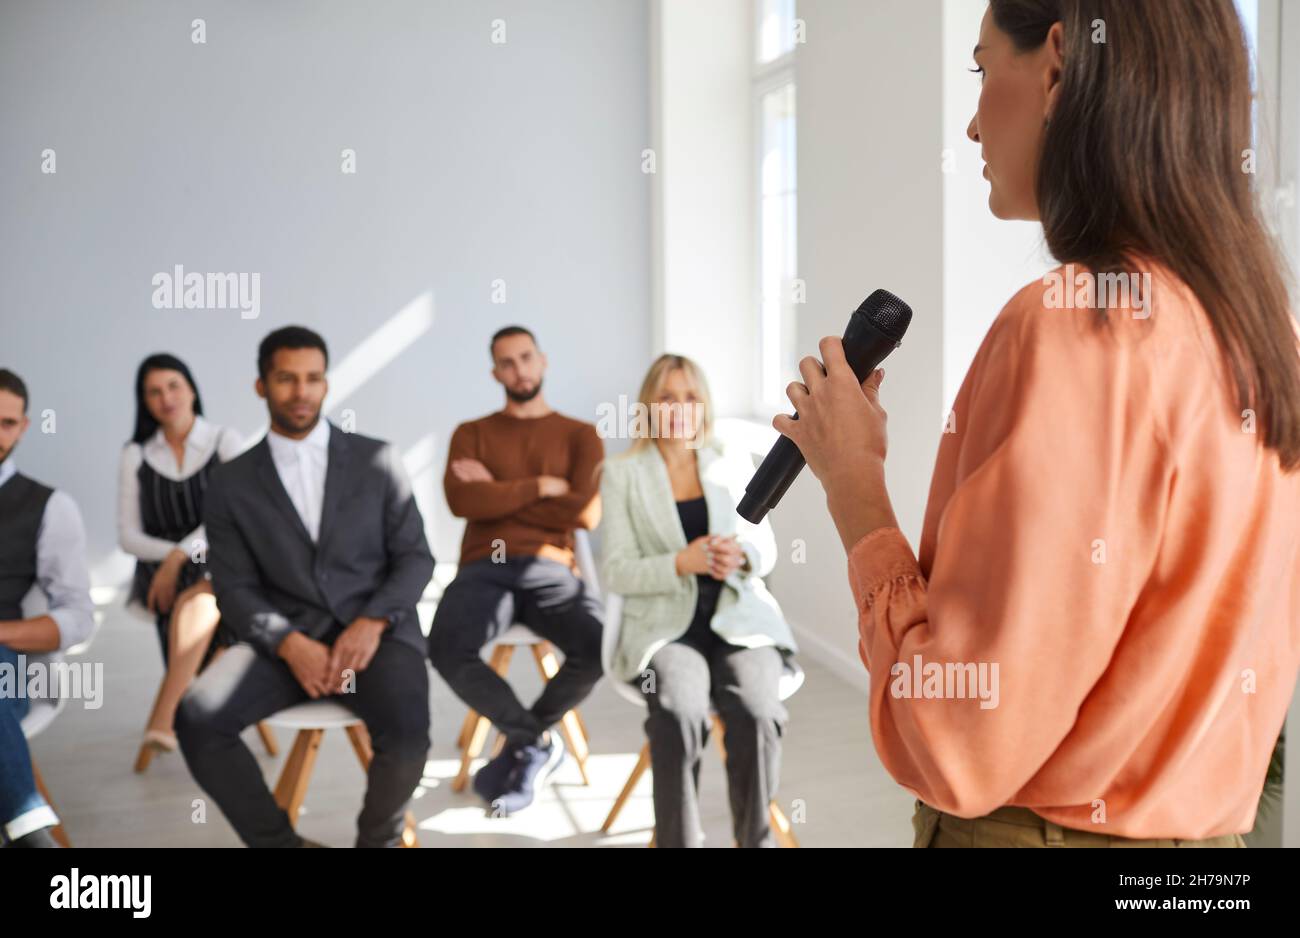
(1109, 560)
(161, 481)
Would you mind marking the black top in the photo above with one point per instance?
(170, 509)
(694, 515)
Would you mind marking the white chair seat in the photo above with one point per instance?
(40, 716)
(43, 710)
(792, 677)
(518, 635)
(314, 715)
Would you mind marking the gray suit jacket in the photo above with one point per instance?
(372, 558)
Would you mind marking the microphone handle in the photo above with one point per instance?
(865, 347)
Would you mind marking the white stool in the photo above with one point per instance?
(311, 719)
(791, 680)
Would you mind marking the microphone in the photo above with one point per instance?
(875, 329)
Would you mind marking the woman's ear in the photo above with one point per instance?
(1054, 50)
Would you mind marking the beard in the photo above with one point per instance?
(523, 397)
(285, 420)
(4, 454)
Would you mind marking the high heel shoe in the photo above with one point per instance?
(160, 740)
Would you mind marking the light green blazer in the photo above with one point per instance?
(640, 537)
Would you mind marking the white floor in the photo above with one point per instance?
(832, 785)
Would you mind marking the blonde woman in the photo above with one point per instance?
(699, 628)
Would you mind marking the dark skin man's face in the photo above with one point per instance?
(294, 389)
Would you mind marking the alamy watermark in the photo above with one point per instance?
(38, 679)
(633, 420)
(952, 680)
(180, 290)
(1081, 288)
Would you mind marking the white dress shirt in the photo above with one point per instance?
(301, 465)
(203, 440)
(61, 571)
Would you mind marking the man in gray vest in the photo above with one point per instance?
(42, 543)
(318, 557)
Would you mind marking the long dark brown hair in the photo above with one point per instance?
(145, 424)
(1144, 156)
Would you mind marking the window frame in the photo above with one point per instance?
(766, 78)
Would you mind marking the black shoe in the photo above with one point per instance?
(43, 837)
(490, 781)
(534, 764)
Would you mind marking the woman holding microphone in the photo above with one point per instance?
(1113, 522)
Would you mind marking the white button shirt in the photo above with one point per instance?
(301, 465)
(204, 439)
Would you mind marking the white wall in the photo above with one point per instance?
(704, 211)
(475, 162)
(877, 209)
(870, 215)
(985, 260)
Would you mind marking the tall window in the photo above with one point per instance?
(774, 117)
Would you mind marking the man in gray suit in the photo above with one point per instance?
(318, 556)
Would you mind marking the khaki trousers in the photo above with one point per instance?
(1020, 827)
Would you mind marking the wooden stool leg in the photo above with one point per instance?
(291, 790)
(781, 827)
(582, 726)
(471, 751)
(719, 731)
(550, 666)
(466, 730)
(570, 725)
(500, 663)
(58, 833)
(577, 744)
(359, 736)
(642, 763)
(268, 739)
(408, 832)
(146, 753)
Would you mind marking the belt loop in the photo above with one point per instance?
(1053, 834)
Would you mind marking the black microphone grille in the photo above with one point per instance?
(887, 313)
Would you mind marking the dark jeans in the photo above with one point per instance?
(742, 684)
(18, 793)
(483, 601)
(244, 686)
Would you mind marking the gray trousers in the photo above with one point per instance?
(244, 686)
(741, 684)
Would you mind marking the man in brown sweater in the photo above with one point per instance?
(524, 478)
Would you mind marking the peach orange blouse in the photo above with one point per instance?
(1105, 528)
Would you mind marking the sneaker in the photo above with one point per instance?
(490, 781)
(534, 764)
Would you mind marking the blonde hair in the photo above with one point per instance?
(648, 396)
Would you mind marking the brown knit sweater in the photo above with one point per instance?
(517, 451)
